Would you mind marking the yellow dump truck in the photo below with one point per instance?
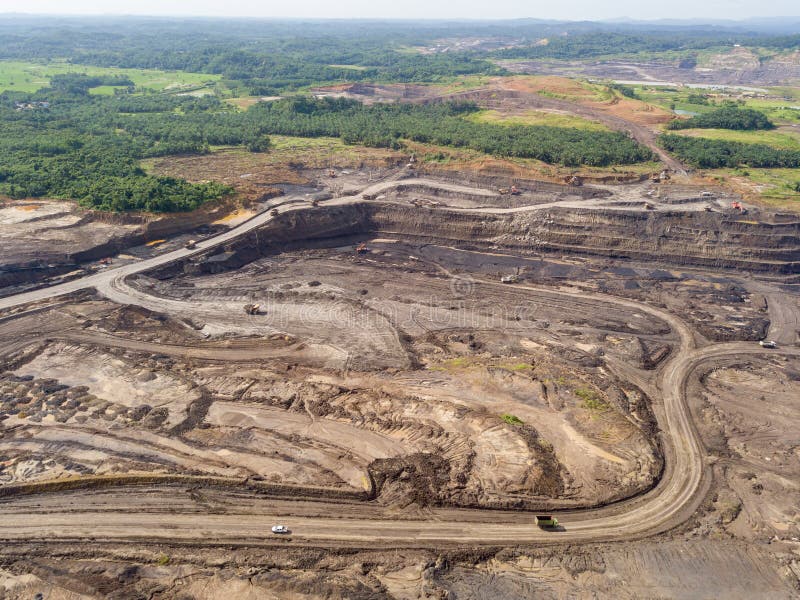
(546, 521)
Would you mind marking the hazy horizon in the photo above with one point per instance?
(569, 10)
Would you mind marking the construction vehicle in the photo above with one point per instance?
(738, 206)
(768, 344)
(361, 248)
(514, 190)
(509, 279)
(252, 309)
(190, 245)
(331, 173)
(503, 191)
(274, 212)
(546, 521)
(315, 203)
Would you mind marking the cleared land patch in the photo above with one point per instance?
(252, 174)
(777, 139)
(557, 87)
(536, 117)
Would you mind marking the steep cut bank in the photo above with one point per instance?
(48, 238)
(674, 238)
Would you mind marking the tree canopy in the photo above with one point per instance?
(714, 154)
(726, 117)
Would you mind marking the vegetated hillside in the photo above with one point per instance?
(257, 57)
(726, 117)
(706, 153)
(385, 125)
(63, 142)
(265, 57)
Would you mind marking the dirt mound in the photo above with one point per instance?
(420, 479)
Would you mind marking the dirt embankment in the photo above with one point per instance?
(46, 238)
(698, 239)
(661, 568)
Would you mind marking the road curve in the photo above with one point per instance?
(166, 514)
(116, 515)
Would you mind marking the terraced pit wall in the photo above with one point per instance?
(687, 239)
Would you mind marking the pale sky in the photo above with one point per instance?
(574, 10)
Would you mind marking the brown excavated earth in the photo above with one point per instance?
(402, 385)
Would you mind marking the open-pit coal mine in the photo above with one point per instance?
(419, 366)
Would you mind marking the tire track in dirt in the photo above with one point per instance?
(676, 496)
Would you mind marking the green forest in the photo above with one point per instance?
(269, 56)
(726, 117)
(88, 149)
(386, 125)
(259, 58)
(714, 154)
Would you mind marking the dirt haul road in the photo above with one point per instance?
(119, 515)
(105, 278)
(163, 513)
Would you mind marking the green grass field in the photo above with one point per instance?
(778, 111)
(537, 117)
(31, 76)
(349, 67)
(776, 139)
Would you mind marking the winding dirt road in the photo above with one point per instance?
(168, 513)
